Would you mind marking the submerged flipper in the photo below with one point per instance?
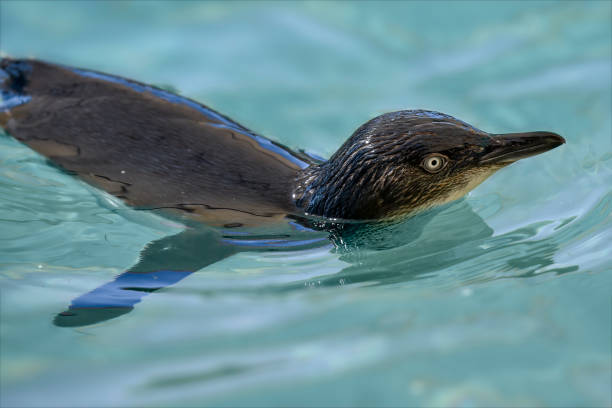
(162, 263)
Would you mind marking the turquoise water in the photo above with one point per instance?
(504, 298)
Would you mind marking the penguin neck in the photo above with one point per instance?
(336, 189)
(308, 188)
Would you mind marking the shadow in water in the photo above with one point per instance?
(377, 254)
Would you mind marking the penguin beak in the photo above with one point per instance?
(510, 147)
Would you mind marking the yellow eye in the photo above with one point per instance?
(434, 163)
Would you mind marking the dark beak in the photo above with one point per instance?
(508, 148)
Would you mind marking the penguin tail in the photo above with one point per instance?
(14, 77)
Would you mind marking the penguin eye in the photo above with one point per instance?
(434, 163)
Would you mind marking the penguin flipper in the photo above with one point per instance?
(162, 263)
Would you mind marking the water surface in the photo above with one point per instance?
(502, 299)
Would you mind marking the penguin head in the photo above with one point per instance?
(402, 162)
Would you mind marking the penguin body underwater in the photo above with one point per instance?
(159, 151)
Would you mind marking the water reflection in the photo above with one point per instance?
(439, 242)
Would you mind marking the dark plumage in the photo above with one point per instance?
(155, 150)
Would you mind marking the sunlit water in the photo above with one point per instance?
(503, 299)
